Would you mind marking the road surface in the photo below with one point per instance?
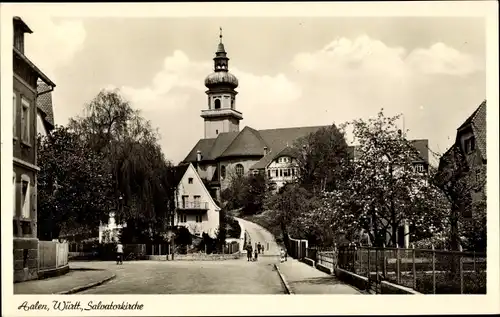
(189, 277)
(259, 234)
(197, 277)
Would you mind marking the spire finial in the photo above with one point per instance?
(220, 34)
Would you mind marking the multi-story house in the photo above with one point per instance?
(195, 208)
(280, 168)
(469, 146)
(25, 96)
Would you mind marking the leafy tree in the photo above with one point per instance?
(143, 190)
(74, 185)
(322, 157)
(290, 202)
(245, 191)
(385, 189)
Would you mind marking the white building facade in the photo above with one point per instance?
(195, 207)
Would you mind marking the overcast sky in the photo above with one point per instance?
(292, 71)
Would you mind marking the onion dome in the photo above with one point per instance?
(222, 78)
(221, 75)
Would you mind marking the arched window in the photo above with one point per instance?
(217, 104)
(239, 170)
(223, 172)
(232, 103)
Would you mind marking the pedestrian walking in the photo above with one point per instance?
(259, 246)
(249, 252)
(119, 253)
(256, 255)
(282, 255)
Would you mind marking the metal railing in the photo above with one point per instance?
(194, 205)
(427, 271)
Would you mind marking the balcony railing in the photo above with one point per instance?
(194, 205)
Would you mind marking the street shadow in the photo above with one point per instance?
(80, 269)
(324, 280)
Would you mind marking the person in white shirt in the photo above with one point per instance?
(282, 255)
(119, 253)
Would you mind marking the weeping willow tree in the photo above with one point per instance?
(143, 192)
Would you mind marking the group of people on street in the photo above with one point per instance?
(250, 251)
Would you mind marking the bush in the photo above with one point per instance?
(183, 237)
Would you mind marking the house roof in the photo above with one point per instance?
(267, 159)
(479, 127)
(40, 74)
(477, 121)
(422, 146)
(178, 172)
(44, 102)
(21, 25)
(248, 142)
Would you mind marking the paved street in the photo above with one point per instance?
(197, 277)
(259, 234)
(190, 277)
(236, 276)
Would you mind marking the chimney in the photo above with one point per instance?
(265, 150)
(198, 156)
(19, 29)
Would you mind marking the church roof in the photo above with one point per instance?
(247, 142)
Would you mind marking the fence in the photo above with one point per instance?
(131, 251)
(427, 271)
(52, 255)
(297, 248)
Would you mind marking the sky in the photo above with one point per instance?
(292, 71)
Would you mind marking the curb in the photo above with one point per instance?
(287, 287)
(86, 287)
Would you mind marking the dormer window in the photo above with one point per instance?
(469, 145)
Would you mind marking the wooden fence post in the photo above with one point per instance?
(368, 260)
(414, 268)
(398, 268)
(461, 271)
(433, 270)
(385, 260)
(57, 254)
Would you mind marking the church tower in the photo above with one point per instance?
(221, 115)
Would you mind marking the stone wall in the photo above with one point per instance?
(25, 259)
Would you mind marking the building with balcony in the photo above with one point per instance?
(30, 86)
(195, 208)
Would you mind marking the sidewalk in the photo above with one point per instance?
(77, 279)
(305, 279)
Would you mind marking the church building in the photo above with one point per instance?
(225, 150)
